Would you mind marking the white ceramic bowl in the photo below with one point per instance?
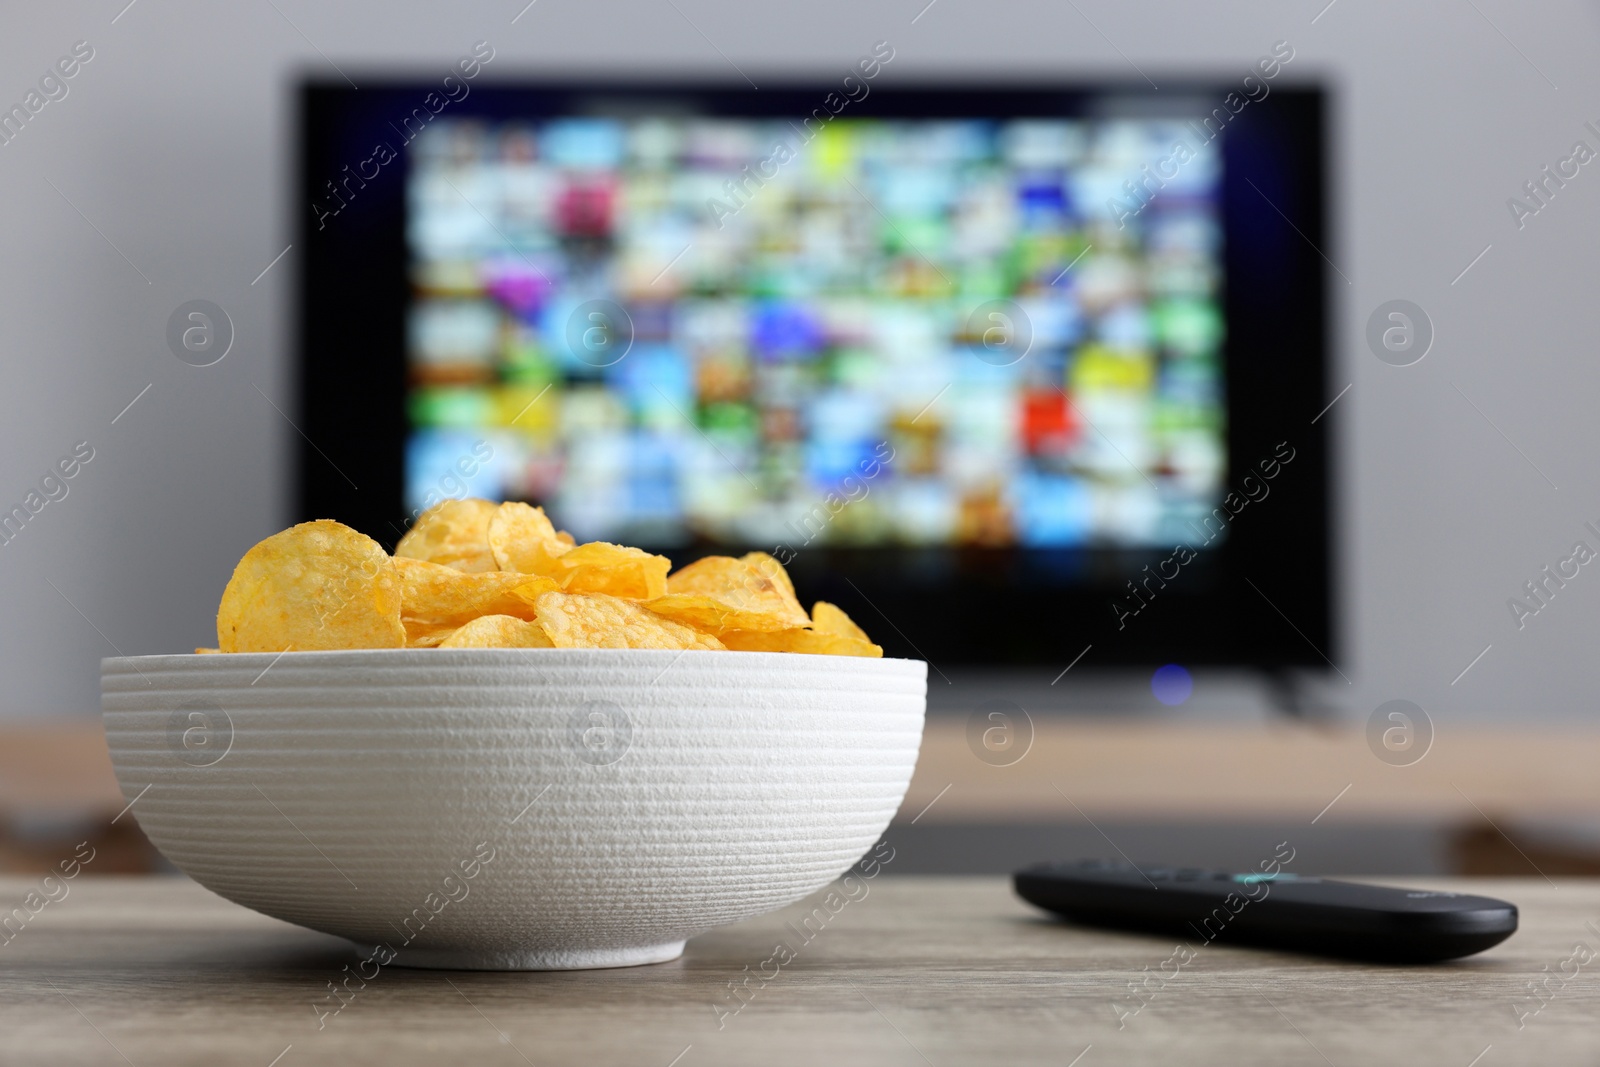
(516, 809)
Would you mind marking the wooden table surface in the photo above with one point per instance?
(921, 972)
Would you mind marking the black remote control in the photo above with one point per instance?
(1274, 910)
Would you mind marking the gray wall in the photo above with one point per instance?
(172, 145)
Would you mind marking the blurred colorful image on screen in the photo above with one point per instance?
(693, 330)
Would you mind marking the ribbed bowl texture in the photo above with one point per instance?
(513, 808)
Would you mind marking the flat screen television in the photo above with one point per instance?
(1007, 370)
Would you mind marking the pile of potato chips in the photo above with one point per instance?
(473, 574)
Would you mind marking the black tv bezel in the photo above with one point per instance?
(1263, 599)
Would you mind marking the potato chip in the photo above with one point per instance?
(615, 570)
(720, 593)
(454, 533)
(473, 574)
(422, 635)
(827, 619)
(498, 631)
(599, 621)
(773, 570)
(711, 616)
(317, 585)
(207, 651)
(432, 594)
(523, 539)
(812, 642)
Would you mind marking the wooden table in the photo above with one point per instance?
(920, 971)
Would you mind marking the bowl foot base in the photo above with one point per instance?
(573, 959)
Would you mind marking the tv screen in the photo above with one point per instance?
(1018, 369)
(899, 332)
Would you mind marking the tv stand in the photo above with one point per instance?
(1289, 696)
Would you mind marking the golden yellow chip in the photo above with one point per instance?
(811, 642)
(435, 595)
(317, 585)
(498, 631)
(615, 570)
(522, 539)
(454, 533)
(207, 651)
(715, 617)
(827, 619)
(472, 574)
(722, 593)
(422, 635)
(773, 570)
(599, 621)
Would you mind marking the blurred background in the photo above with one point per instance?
(163, 171)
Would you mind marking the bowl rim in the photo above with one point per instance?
(516, 656)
